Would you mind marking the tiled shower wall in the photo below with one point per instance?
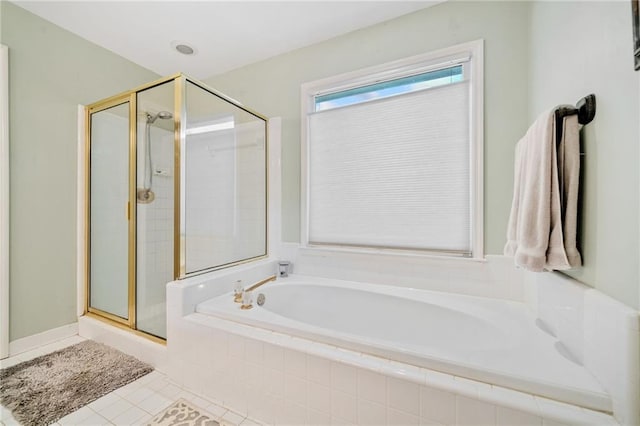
(225, 196)
(209, 191)
(155, 234)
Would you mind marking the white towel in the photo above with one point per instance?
(541, 234)
(569, 181)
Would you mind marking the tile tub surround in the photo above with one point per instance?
(229, 361)
(281, 379)
(493, 277)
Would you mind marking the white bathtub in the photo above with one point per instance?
(488, 340)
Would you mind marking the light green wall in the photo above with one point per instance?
(593, 54)
(51, 72)
(574, 48)
(273, 88)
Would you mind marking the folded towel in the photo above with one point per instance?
(569, 180)
(541, 234)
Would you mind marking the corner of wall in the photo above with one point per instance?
(274, 129)
(81, 255)
(530, 21)
(4, 200)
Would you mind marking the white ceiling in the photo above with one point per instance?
(226, 35)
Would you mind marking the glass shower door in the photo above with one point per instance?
(224, 183)
(109, 212)
(155, 154)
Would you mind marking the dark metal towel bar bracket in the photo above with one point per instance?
(585, 108)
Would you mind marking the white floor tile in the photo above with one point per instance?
(5, 413)
(94, 420)
(170, 391)
(155, 403)
(139, 395)
(77, 416)
(130, 417)
(231, 418)
(145, 420)
(10, 421)
(217, 410)
(195, 399)
(114, 410)
(104, 401)
(6, 417)
(148, 378)
(157, 384)
(127, 389)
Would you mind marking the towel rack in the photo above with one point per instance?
(585, 108)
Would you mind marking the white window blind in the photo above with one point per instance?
(393, 172)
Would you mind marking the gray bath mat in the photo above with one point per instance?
(182, 413)
(47, 388)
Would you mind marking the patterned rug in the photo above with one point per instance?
(182, 413)
(47, 388)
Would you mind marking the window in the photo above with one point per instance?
(389, 88)
(392, 157)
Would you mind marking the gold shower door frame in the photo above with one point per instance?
(92, 109)
(179, 250)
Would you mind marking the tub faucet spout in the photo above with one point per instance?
(262, 282)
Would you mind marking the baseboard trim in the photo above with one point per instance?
(34, 341)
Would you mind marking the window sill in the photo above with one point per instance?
(410, 256)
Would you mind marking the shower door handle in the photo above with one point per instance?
(128, 213)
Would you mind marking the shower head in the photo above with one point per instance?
(163, 115)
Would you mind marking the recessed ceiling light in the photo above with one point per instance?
(183, 47)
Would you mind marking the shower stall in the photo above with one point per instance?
(176, 185)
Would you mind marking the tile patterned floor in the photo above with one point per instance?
(133, 404)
